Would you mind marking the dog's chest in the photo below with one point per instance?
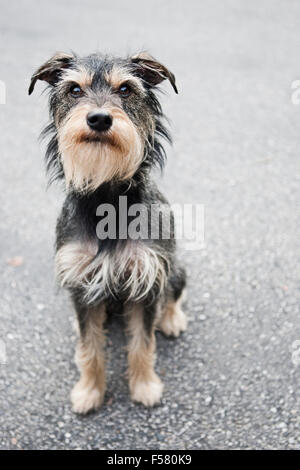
(129, 271)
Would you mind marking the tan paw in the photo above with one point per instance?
(173, 322)
(85, 398)
(148, 393)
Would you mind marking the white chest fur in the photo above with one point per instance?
(131, 270)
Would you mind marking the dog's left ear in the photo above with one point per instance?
(152, 71)
(51, 70)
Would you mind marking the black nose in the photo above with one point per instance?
(99, 121)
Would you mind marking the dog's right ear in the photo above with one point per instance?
(51, 70)
(152, 71)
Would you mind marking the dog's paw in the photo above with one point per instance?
(85, 398)
(173, 322)
(148, 393)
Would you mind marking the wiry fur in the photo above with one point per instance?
(141, 277)
(88, 166)
(153, 152)
(130, 273)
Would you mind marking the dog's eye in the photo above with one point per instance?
(125, 90)
(76, 91)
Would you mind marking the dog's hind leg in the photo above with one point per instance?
(173, 320)
(89, 391)
(144, 384)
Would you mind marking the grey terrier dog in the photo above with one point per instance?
(105, 137)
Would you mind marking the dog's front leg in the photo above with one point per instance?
(145, 386)
(89, 391)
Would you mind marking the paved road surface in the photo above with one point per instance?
(230, 380)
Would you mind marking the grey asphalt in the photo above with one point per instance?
(231, 380)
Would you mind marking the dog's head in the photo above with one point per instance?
(105, 116)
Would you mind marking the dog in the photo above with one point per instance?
(105, 136)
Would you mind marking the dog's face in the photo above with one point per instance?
(104, 112)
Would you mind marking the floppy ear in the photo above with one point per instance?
(151, 71)
(51, 69)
